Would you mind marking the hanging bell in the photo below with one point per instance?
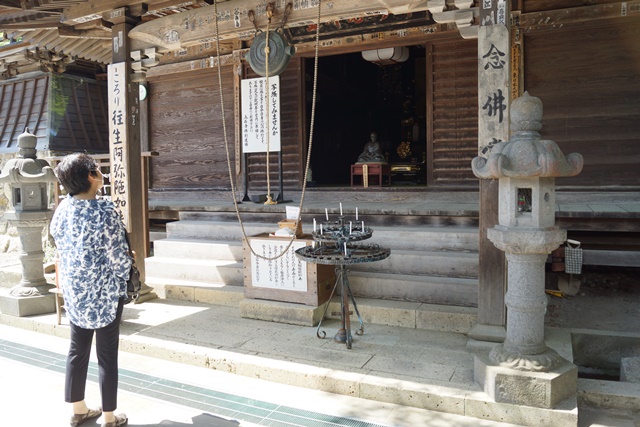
(279, 54)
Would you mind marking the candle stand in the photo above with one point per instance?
(334, 245)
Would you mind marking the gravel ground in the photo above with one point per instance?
(608, 299)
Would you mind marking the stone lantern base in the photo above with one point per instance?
(28, 306)
(528, 388)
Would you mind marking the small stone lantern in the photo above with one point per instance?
(28, 178)
(523, 369)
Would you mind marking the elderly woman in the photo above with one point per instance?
(93, 271)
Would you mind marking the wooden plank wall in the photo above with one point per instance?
(78, 115)
(185, 127)
(294, 134)
(23, 103)
(452, 117)
(589, 82)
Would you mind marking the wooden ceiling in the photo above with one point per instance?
(69, 30)
(50, 35)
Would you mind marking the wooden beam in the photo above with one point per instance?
(71, 32)
(48, 24)
(93, 9)
(380, 40)
(196, 64)
(554, 19)
(168, 5)
(180, 30)
(12, 48)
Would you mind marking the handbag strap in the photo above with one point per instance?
(131, 254)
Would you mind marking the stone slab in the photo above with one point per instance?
(27, 306)
(630, 369)
(276, 311)
(446, 318)
(479, 405)
(381, 312)
(538, 389)
(488, 333)
(609, 394)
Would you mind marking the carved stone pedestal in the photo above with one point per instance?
(529, 388)
(28, 306)
(31, 296)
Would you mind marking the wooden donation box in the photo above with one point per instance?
(288, 278)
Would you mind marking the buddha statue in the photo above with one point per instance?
(372, 152)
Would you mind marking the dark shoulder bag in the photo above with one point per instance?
(133, 284)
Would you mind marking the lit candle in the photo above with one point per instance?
(345, 248)
(320, 228)
(356, 213)
(340, 208)
(314, 225)
(326, 213)
(350, 224)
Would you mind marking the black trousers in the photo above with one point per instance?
(107, 341)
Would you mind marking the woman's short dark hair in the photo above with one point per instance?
(73, 172)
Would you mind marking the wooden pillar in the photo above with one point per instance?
(124, 136)
(494, 95)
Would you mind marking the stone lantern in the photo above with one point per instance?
(523, 370)
(28, 178)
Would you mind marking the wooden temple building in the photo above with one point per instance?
(410, 71)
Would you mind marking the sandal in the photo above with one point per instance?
(78, 419)
(121, 420)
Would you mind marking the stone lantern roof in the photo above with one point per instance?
(26, 168)
(526, 155)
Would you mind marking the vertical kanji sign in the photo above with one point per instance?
(494, 71)
(118, 139)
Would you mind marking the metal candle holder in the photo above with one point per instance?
(335, 247)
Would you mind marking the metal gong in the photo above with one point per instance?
(279, 54)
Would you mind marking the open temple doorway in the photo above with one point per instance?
(356, 97)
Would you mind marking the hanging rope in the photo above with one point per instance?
(267, 51)
(226, 140)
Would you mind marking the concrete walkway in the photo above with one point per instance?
(155, 392)
(402, 367)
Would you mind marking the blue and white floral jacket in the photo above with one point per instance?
(94, 261)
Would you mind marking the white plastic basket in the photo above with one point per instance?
(573, 257)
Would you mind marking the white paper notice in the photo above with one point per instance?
(292, 212)
(257, 122)
(287, 272)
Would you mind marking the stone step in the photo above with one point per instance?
(428, 289)
(427, 263)
(188, 290)
(226, 272)
(370, 284)
(416, 315)
(215, 230)
(432, 263)
(426, 238)
(198, 249)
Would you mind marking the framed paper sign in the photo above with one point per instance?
(258, 121)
